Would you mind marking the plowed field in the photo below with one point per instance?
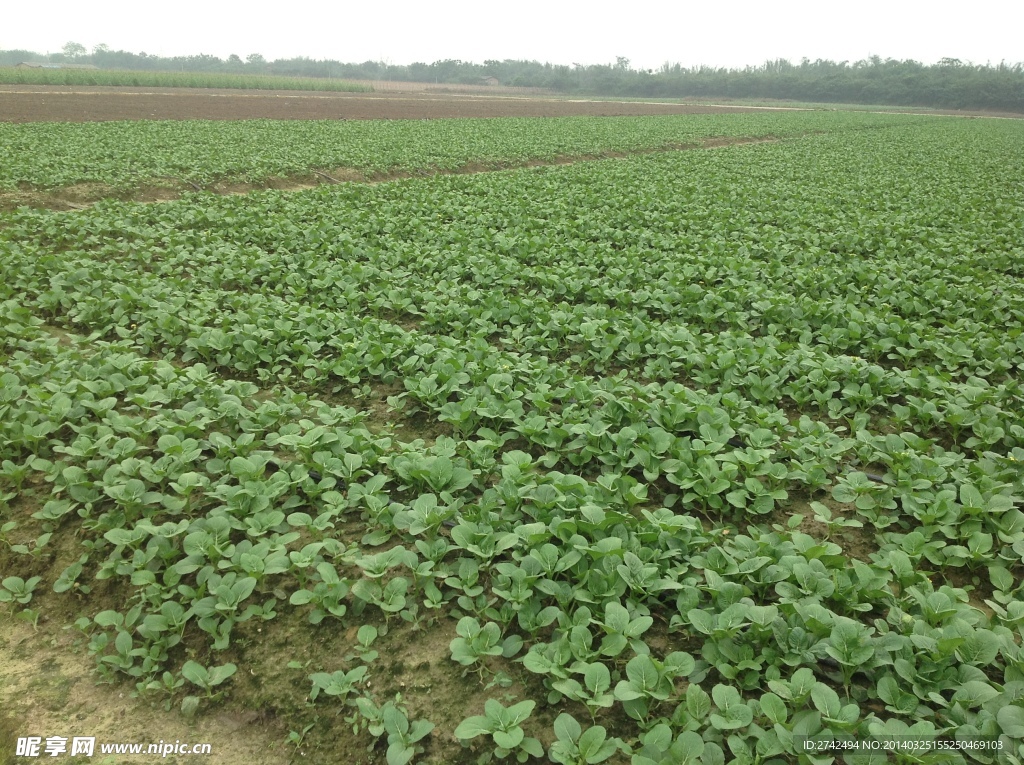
(96, 104)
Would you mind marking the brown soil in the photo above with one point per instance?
(857, 543)
(59, 103)
(48, 688)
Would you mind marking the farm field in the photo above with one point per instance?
(676, 457)
(81, 103)
(152, 160)
(125, 154)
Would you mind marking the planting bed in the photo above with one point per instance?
(683, 457)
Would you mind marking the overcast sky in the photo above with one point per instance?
(731, 34)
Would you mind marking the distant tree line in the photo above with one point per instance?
(949, 84)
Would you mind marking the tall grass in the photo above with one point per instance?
(15, 76)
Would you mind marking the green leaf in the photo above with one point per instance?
(698, 702)
(597, 679)
(826, 700)
(122, 537)
(508, 739)
(441, 472)
(567, 728)
(762, 616)
(642, 673)
(702, 621)
(735, 713)
(242, 467)
(1011, 721)
(395, 720)
(511, 646)
(195, 673)
(400, 754)
(472, 727)
(679, 664)
(726, 696)
(689, 747)
(123, 642)
(519, 712)
(592, 743)
(1001, 578)
(109, 619)
(774, 708)
(979, 648)
(219, 674)
(974, 693)
(419, 730)
(532, 747)
(366, 635)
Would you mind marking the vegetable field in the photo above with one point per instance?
(679, 457)
(125, 156)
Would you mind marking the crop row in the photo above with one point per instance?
(202, 505)
(127, 155)
(468, 383)
(791, 323)
(645, 366)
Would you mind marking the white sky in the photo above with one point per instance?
(731, 34)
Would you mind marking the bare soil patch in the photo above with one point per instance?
(58, 103)
(48, 687)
